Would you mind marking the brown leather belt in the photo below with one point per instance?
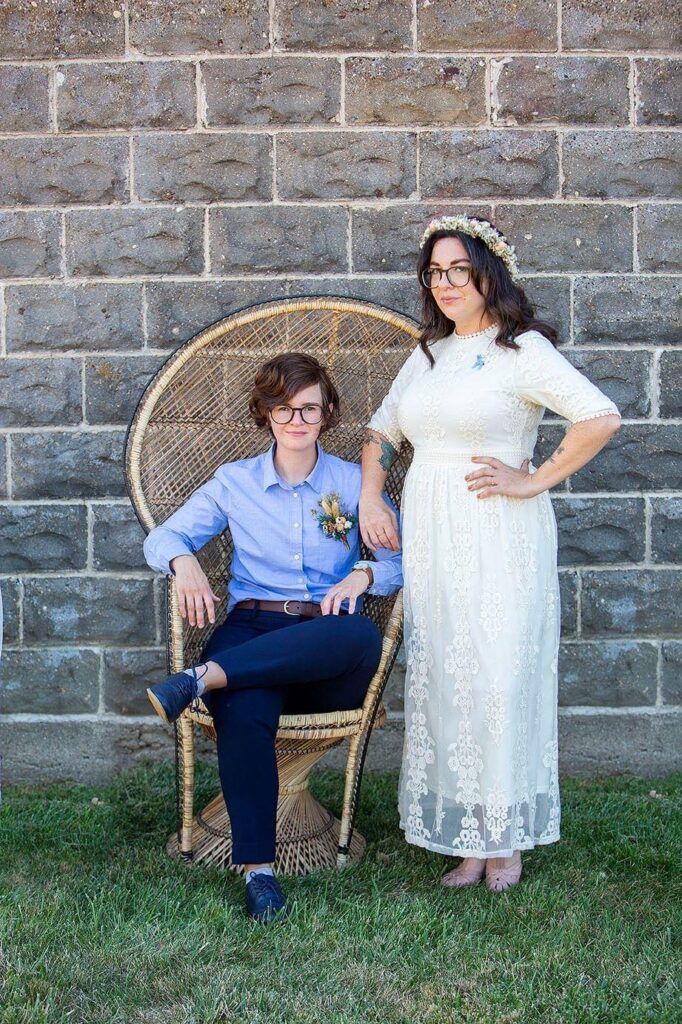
(308, 609)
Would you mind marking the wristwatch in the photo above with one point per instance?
(364, 566)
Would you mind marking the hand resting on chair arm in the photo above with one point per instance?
(350, 588)
(193, 590)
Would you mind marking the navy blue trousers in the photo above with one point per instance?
(277, 663)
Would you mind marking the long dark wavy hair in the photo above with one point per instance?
(505, 300)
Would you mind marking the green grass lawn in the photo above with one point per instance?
(97, 925)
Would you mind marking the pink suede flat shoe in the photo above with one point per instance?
(462, 876)
(499, 879)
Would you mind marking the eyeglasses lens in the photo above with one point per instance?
(456, 276)
(310, 414)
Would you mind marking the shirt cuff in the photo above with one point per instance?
(387, 579)
(160, 560)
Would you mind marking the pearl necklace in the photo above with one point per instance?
(477, 334)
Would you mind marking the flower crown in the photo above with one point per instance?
(482, 229)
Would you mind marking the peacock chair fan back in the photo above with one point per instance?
(194, 414)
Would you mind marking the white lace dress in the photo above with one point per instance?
(480, 764)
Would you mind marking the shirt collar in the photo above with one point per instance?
(314, 479)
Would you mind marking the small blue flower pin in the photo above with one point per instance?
(480, 361)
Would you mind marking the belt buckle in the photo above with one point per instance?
(286, 610)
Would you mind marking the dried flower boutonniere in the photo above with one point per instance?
(332, 520)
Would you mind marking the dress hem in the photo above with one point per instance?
(448, 851)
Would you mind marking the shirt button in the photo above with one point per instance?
(306, 596)
(296, 525)
(297, 557)
(295, 494)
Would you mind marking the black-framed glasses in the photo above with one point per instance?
(310, 413)
(457, 276)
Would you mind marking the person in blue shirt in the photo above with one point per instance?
(293, 641)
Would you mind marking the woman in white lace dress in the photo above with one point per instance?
(479, 776)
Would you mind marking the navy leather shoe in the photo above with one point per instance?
(264, 899)
(170, 697)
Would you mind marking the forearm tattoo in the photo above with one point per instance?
(559, 450)
(388, 452)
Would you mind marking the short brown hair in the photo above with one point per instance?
(278, 380)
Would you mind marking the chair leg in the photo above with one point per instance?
(356, 756)
(307, 833)
(186, 782)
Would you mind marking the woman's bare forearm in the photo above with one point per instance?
(378, 455)
(378, 524)
(581, 443)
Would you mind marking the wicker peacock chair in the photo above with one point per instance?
(192, 418)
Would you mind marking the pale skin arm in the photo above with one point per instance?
(581, 443)
(378, 524)
(350, 587)
(193, 590)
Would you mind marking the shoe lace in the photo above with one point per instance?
(194, 678)
(194, 671)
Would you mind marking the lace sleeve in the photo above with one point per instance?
(545, 377)
(385, 419)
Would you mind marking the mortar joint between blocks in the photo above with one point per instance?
(144, 316)
(8, 466)
(100, 680)
(655, 385)
(633, 89)
(84, 408)
(63, 269)
(342, 95)
(207, 244)
(659, 675)
(52, 99)
(635, 239)
(275, 194)
(20, 610)
(131, 170)
(201, 99)
(127, 49)
(90, 538)
(272, 25)
(3, 322)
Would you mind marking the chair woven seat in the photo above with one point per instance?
(192, 418)
(322, 724)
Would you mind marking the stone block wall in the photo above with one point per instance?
(162, 164)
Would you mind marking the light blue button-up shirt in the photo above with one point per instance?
(280, 551)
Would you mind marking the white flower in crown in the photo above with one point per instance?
(482, 229)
